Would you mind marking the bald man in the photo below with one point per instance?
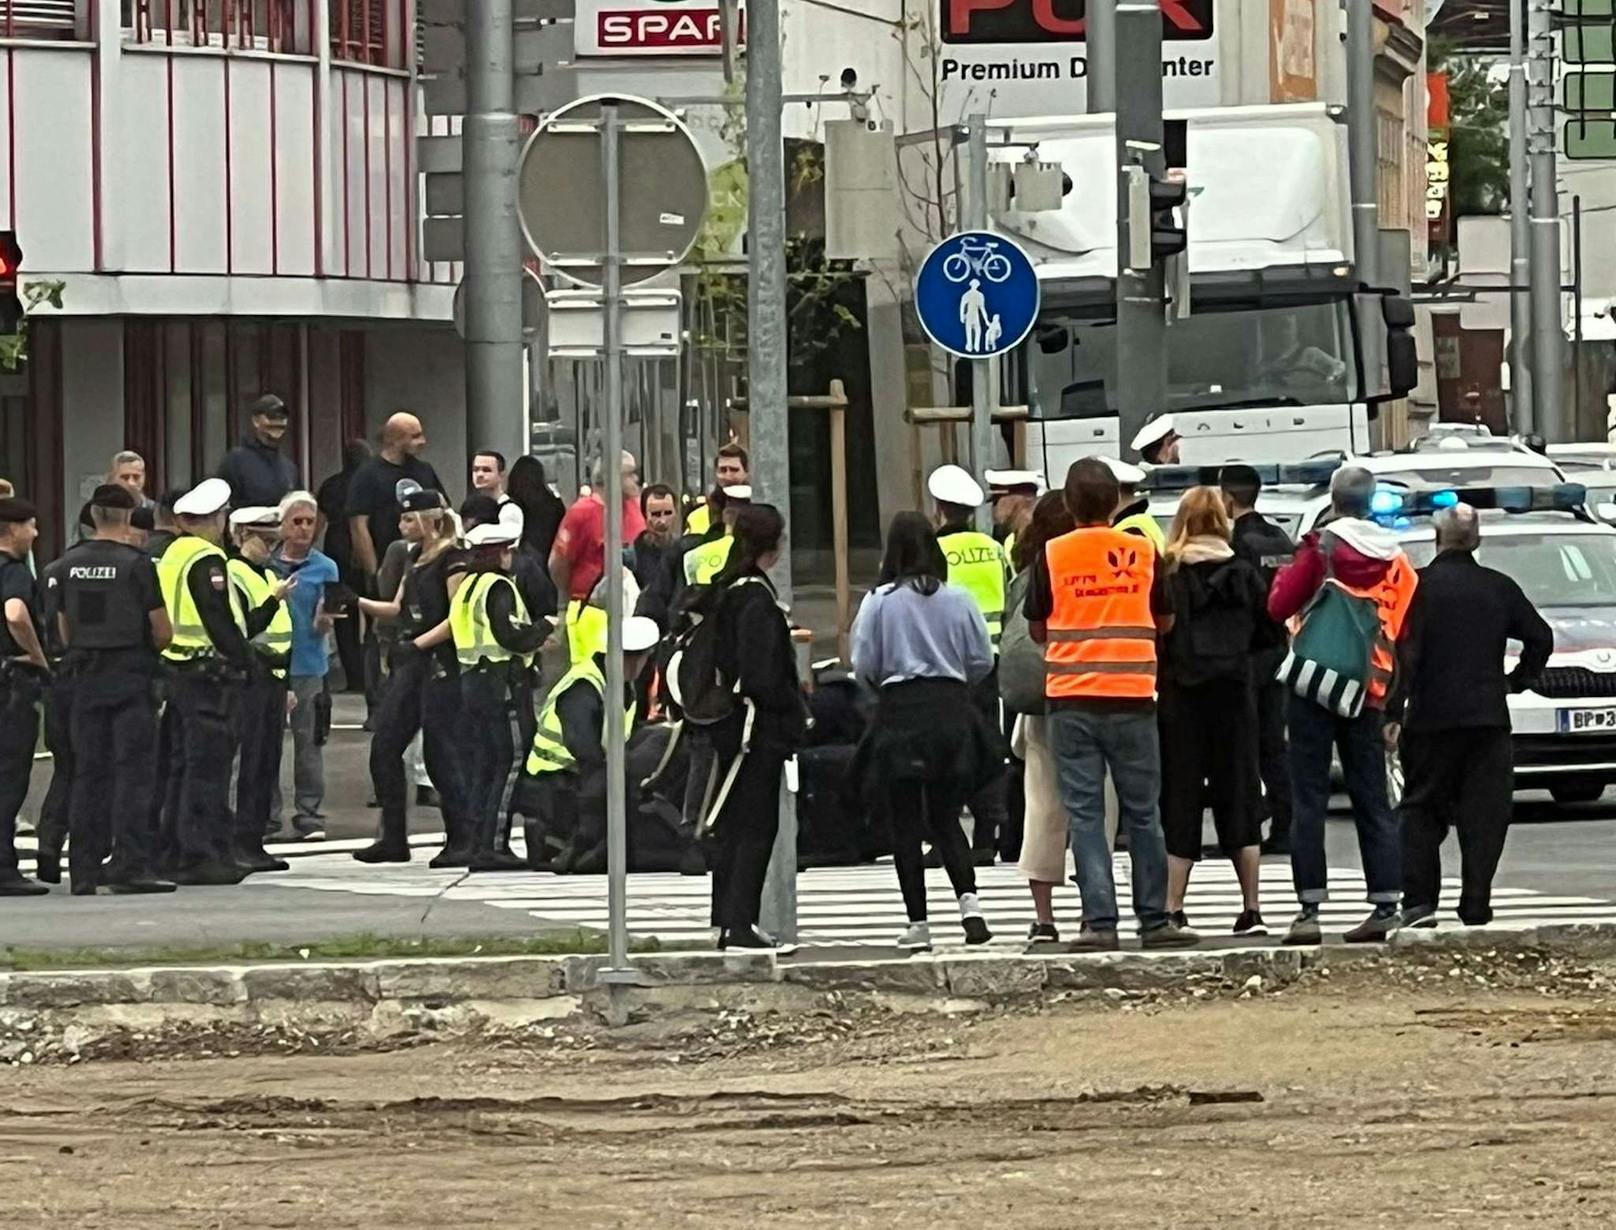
(373, 491)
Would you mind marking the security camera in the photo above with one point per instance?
(849, 79)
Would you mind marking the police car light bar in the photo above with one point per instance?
(1559, 497)
(1314, 473)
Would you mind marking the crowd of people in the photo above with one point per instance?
(1079, 680)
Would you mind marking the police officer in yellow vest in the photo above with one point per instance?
(208, 660)
(494, 637)
(261, 715)
(1013, 493)
(731, 468)
(565, 776)
(977, 564)
(1133, 510)
(704, 562)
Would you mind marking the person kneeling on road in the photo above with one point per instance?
(566, 767)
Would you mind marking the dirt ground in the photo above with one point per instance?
(1437, 1101)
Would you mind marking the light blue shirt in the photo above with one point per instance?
(309, 656)
(900, 634)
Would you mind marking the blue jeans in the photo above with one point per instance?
(1085, 744)
(1314, 730)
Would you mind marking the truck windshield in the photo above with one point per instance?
(1297, 355)
(1552, 569)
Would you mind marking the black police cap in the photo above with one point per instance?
(14, 510)
(268, 405)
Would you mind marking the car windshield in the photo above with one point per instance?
(1423, 473)
(1298, 355)
(1552, 569)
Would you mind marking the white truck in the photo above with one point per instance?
(1268, 365)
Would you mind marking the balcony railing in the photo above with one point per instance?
(246, 25)
(368, 32)
(44, 19)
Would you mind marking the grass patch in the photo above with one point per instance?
(362, 946)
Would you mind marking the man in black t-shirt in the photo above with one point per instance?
(373, 508)
(23, 672)
(112, 623)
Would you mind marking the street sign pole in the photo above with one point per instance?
(1362, 167)
(612, 450)
(1520, 232)
(1141, 293)
(1548, 334)
(495, 396)
(984, 372)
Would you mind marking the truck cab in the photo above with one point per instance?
(1269, 362)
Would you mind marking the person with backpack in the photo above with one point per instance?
(1021, 686)
(1265, 546)
(1206, 711)
(756, 717)
(1349, 588)
(923, 644)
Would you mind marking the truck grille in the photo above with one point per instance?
(1573, 682)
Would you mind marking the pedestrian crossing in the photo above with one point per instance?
(861, 905)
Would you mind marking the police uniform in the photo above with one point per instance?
(21, 685)
(261, 715)
(493, 638)
(207, 661)
(1149, 440)
(106, 592)
(977, 564)
(421, 694)
(565, 772)
(58, 721)
(1135, 518)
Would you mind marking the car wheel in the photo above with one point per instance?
(1577, 792)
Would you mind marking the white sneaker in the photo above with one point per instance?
(916, 938)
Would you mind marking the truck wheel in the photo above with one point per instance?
(1577, 792)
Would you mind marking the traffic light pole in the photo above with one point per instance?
(1548, 330)
(1136, 56)
(1362, 163)
(1520, 230)
(491, 141)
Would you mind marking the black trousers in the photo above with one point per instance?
(990, 804)
(350, 649)
(55, 810)
(19, 731)
(202, 707)
(927, 811)
(412, 700)
(114, 714)
(1273, 760)
(490, 754)
(744, 837)
(1208, 750)
(260, 728)
(1464, 779)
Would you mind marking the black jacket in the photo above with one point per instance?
(258, 473)
(1267, 548)
(755, 649)
(1451, 652)
(1217, 609)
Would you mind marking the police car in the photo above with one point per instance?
(1565, 562)
(1289, 497)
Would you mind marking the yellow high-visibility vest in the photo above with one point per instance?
(253, 589)
(705, 562)
(1144, 523)
(191, 638)
(549, 752)
(977, 565)
(473, 631)
(700, 519)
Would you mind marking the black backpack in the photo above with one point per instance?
(1217, 613)
(701, 688)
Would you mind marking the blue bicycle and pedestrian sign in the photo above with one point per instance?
(977, 295)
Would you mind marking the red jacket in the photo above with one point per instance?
(1363, 552)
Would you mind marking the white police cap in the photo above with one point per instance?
(203, 500)
(1127, 475)
(1159, 428)
(491, 534)
(953, 485)
(255, 517)
(740, 492)
(1009, 480)
(640, 634)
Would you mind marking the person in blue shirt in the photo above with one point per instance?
(313, 615)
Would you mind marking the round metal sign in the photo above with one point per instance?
(561, 189)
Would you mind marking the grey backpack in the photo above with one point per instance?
(1021, 659)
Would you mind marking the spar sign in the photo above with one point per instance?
(649, 28)
(1012, 58)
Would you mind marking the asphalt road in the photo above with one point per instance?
(1565, 851)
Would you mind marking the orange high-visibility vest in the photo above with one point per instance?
(1391, 598)
(1101, 640)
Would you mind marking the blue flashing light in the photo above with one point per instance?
(1385, 502)
(1445, 499)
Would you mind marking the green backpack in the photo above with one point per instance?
(1330, 658)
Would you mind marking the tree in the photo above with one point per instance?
(1478, 146)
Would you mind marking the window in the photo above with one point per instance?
(368, 32)
(41, 19)
(255, 25)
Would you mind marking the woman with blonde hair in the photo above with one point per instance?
(1206, 710)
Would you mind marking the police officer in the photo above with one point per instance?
(1133, 510)
(566, 766)
(112, 624)
(493, 638)
(1158, 441)
(977, 564)
(58, 802)
(23, 674)
(208, 659)
(704, 562)
(261, 717)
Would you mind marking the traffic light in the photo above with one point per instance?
(10, 265)
(1168, 236)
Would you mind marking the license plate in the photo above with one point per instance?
(1586, 721)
